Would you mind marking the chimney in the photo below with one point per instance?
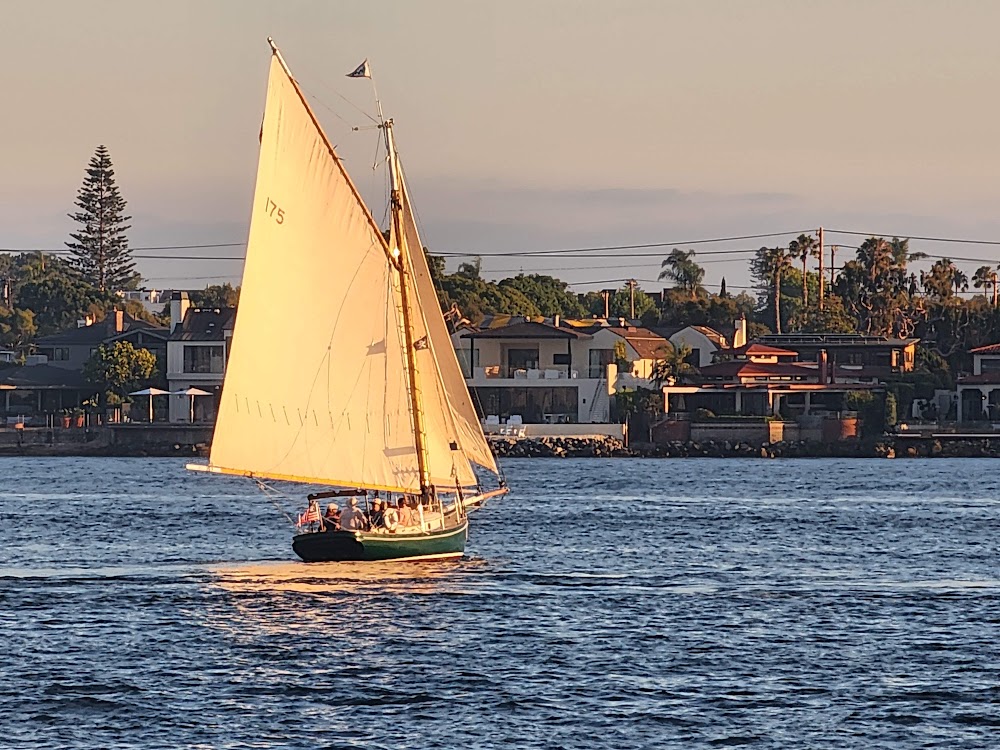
(119, 321)
(740, 332)
(555, 320)
(821, 361)
(179, 304)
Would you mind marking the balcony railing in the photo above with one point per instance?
(556, 372)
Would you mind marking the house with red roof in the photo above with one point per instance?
(761, 379)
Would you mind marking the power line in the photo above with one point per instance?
(63, 250)
(913, 237)
(535, 253)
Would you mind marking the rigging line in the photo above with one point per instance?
(329, 109)
(912, 237)
(270, 493)
(341, 96)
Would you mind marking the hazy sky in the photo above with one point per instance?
(524, 124)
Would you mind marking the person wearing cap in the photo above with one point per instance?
(352, 518)
(331, 518)
(377, 516)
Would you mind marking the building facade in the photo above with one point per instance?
(552, 371)
(197, 352)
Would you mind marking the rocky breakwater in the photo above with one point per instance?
(559, 447)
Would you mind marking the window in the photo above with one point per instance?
(599, 361)
(204, 359)
(60, 354)
(522, 359)
(989, 365)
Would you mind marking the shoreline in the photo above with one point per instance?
(194, 441)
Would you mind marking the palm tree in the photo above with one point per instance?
(769, 264)
(960, 280)
(803, 247)
(983, 278)
(680, 268)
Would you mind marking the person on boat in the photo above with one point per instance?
(405, 513)
(353, 518)
(377, 517)
(331, 518)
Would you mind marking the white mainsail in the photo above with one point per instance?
(316, 383)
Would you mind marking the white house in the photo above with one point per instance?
(551, 371)
(197, 352)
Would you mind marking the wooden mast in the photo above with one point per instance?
(402, 265)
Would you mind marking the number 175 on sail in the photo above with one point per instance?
(278, 215)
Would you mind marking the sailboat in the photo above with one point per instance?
(341, 370)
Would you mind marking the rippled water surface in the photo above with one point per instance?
(603, 604)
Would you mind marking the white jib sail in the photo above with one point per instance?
(315, 387)
(453, 390)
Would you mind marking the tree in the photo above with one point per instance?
(550, 295)
(216, 295)
(944, 280)
(17, 327)
(768, 266)
(680, 268)
(671, 365)
(985, 277)
(804, 247)
(119, 368)
(100, 248)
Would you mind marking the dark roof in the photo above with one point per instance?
(152, 332)
(96, 333)
(41, 376)
(529, 330)
(205, 324)
(792, 340)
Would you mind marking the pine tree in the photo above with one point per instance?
(100, 251)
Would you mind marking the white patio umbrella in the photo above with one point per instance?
(191, 392)
(150, 392)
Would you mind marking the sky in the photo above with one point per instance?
(525, 125)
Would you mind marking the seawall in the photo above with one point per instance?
(189, 441)
(113, 440)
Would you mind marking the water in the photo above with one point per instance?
(604, 604)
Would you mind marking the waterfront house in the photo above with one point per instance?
(551, 370)
(759, 379)
(869, 356)
(197, 352)
(36, 392)
(979, 393)
(71, 348)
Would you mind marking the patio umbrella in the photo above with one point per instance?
(191, 392)
(150, 392)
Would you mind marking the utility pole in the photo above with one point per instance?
(606, 294)
(833, 256)
(993, 279)
(820, 268)
(632, 283)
